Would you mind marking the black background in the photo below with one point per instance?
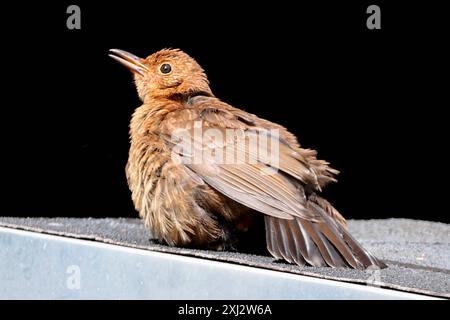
(372, 102)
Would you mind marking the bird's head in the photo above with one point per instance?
(166, 73)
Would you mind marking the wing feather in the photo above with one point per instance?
(298, 229)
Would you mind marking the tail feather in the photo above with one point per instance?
(286, 248)
(327, 249)
(298, 250)
(312, 254)
(363, 254)
(334, 233)
(272, 241)
(336, 239)
(317, 243)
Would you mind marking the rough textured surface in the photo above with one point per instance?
(421, 243)
(418, 252)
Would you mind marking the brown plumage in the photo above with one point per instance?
(213, 201)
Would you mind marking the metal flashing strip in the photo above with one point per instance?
(42, 266)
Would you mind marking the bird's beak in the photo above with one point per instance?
(133, 63)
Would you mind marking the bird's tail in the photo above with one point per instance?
(322, 243)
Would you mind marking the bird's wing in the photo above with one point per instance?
(298, 228)
(222, 114)
(246, 164)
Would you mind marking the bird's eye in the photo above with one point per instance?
(165, 68)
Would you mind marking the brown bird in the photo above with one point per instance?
(201, 175)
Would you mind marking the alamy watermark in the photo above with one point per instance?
(73, 280)
(73, 21)
(208, 145)
(374, 279)
(374, 20)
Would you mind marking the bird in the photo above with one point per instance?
(191, 190)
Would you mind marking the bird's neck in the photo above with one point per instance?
(195, 86)
(148, 116)
(146, 119)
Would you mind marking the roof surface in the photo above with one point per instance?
(417, 252)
